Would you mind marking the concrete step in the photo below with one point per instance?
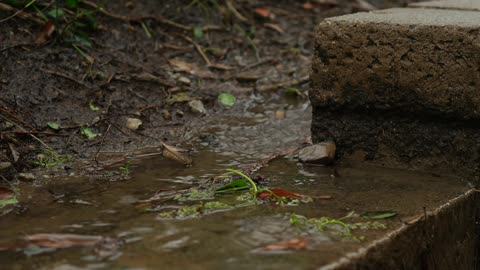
(402, 87)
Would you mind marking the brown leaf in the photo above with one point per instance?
(46, 33)
(175, 154)
(299, 243)
(308, 6)
(6, 193)
(181, 65)
(280, 192)
(264, 12)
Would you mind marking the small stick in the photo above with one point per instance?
(65, 76)
(101, 143)
(199, 49)
(270, 87)
(35, 132)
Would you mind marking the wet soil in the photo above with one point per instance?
(132, 75)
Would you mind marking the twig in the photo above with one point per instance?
(65, 76)
(101, 143)
(19, 13)
(146, 77)
(270, 87)
(259, 63)
(35, 132)
(16, 118)
(267, 160)
(199, 49)
(138, 18)
(31, 135)
(235, 12)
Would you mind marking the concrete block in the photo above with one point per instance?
(401, 86)
(473, 5)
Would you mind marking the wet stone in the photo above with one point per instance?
(322, 153)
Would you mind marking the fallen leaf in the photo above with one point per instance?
(180, 65)
(7, 196)
(88, 132)
(299, 243)
(308, 6)
(227, 99)
(280, 192)
(175, 154)
(180, 97)
(379, 214)
(46, 33)
(92, 106)
(197, 32)
(53, 126)
(53, 240)
(264, 12)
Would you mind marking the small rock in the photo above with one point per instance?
(5, 165)
(197, 106)
(280, 114)
(133, 123)
(322, 153)
(184, 80)
(166, 115)
(26, 176)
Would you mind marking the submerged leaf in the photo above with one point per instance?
(280, 192)
(379, 214)
(299, 243)
(227, 99)
(54, 240)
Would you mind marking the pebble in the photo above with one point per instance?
(5, 165)
(322, 153)
(133, 123)
(26, 176)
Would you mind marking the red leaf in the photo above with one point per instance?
(6, 193)
(53, 240)
(292, 244)
(46, 33)
(280, 192)
(264, 12)
(308, 6)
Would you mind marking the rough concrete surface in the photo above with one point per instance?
(409, 60)
(450, 4)
(446, 239)
(402, 86)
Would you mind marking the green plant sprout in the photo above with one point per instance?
(247, 178)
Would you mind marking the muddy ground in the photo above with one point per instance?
(147, 60)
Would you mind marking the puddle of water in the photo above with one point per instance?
(225, 239)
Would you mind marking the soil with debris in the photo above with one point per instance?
(152, 69)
